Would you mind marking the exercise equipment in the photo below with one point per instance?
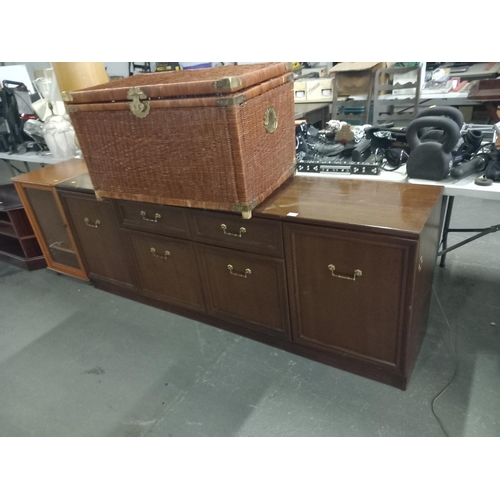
(431, 160)
(454, 114)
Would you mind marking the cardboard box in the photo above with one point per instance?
(300, 91)
(354, 78)
(319, 89)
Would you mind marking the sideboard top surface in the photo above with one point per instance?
(53, 174)
(386, 207)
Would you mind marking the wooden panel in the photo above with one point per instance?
(379, 207)
(424, 274)
(159, 219)
(365, 317)
(30, 247)
(254, 235)
(256, 299)
(170, 274)
(103, 247)
(21, 223)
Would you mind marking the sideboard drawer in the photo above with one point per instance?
(245, 288)
(159, 219)
(167, 269)
(232, 231)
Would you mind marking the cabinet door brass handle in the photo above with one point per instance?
(95, 224)
(356, 273)
(166, 254)
(238, 235)
(157, 216)
(240, 275)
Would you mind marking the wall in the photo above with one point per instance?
(31, 66)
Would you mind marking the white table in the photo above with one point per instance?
(43, 158)
(464, 187)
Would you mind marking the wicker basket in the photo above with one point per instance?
(220, 138)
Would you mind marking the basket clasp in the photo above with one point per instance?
(139, 104)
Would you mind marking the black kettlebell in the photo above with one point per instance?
(434, 134)
(431, 160)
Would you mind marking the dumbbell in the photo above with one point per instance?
(431, 160)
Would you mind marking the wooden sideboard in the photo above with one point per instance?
(339, 271)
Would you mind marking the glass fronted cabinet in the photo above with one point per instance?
(43, 207)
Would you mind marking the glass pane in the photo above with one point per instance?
(52, 226)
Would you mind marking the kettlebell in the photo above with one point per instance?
(431, 160)
(434, 134)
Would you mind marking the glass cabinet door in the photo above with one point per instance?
(52, 226)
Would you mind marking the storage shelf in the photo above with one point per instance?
(7, 229)
(10, 246)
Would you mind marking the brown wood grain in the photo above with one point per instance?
(173, 221)
(52, 175)
(174, 279)
(102, 247)
(372, 326)
(362, 317)
(374, 206)
(261, 236)
(258, 299)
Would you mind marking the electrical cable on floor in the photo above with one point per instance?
(453, 342)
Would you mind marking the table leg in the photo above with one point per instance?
(12, 168)
(446, 227)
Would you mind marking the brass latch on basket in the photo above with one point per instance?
(270, 120)
(140, 105)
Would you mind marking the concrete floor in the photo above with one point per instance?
(76, 361)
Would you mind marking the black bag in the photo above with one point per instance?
(493, 171)
(11, 126)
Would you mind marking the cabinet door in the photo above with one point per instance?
(98, 235)
(349, 291)
(245, 288)
(52, 227)
(167, 269)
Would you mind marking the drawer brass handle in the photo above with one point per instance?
(157, 216)
(95, 224)
(240, 275)
(356, 273)
(166, 254)
(238, 235)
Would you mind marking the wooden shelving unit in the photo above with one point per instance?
(18, 243)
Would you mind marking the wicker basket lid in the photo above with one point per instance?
(171, 84)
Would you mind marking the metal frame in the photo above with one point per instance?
(446, 212)
(412, 102)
